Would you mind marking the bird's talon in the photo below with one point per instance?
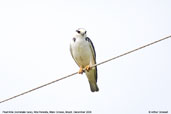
(80, 71)
(87, 68)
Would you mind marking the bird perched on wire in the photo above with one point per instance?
(83, 52)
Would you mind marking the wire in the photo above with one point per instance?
(84, 69)
(132, 51)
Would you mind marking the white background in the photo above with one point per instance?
(34, 49)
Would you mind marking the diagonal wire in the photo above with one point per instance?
(126, 53)
(132, 50)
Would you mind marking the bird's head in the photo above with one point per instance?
(81, 32)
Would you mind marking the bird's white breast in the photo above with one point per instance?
(81, 52)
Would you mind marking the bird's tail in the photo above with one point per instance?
(92, 78)
(93, 86)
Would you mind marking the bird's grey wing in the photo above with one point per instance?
(94, 55)
(91, 47)
(73, 55)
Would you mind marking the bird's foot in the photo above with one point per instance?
(87, 68)
(80, 71)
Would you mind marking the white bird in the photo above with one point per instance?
(83, 52)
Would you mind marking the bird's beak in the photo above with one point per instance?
(83, 34)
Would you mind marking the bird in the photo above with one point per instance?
(83, 53)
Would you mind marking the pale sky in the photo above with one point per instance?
(34, 49)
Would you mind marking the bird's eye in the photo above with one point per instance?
(85, 32)
(77, 31)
